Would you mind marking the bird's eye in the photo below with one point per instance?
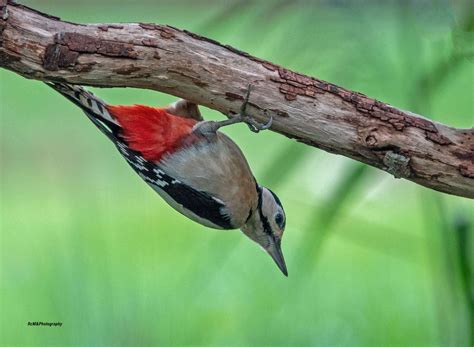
(279, 219)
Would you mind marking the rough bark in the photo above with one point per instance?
(312, 111)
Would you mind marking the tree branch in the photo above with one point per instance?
(318, 113)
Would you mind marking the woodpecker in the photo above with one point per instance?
(196, 169)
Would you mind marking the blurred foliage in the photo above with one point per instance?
(373, 261)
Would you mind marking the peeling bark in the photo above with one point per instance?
(312, 111)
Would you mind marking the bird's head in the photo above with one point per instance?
(266, 224)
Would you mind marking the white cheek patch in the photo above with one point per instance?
(271, 208)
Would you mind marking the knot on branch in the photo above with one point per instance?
(397, 164)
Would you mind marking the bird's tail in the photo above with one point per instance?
(94, 108)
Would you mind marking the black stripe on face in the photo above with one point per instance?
(266, 225)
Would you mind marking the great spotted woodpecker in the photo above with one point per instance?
(195, 168)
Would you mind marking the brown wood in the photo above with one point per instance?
(318, 113)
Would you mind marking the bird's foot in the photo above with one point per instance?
(208, 128)
(253, 125)
(243, 117)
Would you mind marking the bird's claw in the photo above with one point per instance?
(209, 128)
(253, 125)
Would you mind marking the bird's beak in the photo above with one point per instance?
(277, 255)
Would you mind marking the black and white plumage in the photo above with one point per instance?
(198, 170)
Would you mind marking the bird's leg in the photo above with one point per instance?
(211, 127)
(243, 117)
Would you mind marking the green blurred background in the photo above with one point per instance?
(373, 261)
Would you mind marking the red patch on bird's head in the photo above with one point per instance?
(152, 131)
